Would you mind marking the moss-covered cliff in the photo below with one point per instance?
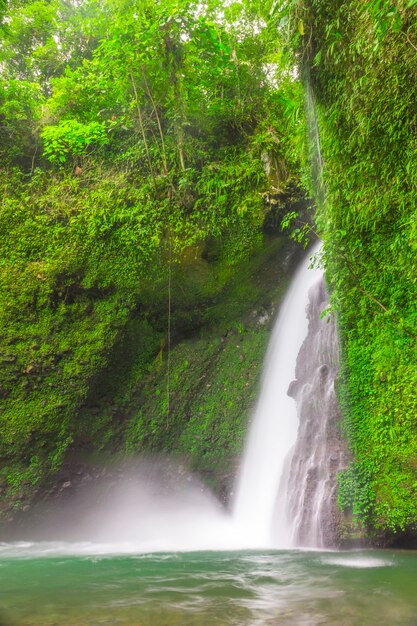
(143, 145)
(193, 400)
(149, 152)
(360, 58)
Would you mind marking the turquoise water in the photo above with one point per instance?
(43, 584)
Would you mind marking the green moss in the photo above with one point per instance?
(213, 374)
(212, 387)
(362, 68)
(78, 349)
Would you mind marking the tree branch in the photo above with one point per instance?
(161, 134)
(140, 118)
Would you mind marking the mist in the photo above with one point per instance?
(150, 505)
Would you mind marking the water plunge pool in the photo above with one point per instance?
(44, 584)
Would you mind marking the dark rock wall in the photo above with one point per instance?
(319, 452)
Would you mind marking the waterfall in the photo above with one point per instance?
(286, 490)
(319, 452)
(274, 425)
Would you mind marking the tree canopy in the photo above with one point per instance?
(130, 133)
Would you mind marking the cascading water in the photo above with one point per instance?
(285, 493)
(319, 452)
(274, 427)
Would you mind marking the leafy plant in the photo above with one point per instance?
(72, 138)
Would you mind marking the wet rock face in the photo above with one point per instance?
(319, 452)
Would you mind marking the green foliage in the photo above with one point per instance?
(300, 231)
(20, 101)
(73, 138)
(354, 493)
(361, 59)
(134, 144)
(210, 404)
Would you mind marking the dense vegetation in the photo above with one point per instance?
(140, 146)
(361, 59)
(146, 147)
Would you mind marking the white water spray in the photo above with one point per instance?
(274, 427)
(154, 509)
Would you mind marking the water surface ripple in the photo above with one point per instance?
(45, 585)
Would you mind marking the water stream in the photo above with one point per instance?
(320, 451)
(241, 588)
(273, 430)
